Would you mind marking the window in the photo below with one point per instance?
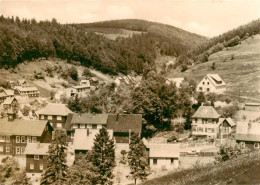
(196, 120)
(203, 83)
(17, 150)
(194, 129)
(208, 83)
(172, 161)
(200, 129)
(7, 139)
(34, 140)
(211, 130)
(82, 126)
(17, 139)
(200, 88)
(29, 139)
(155, 161)
(31, 166)
(1, 149)
(225, 129)
(59, 125)
(58, 117)
(22, 139)
(49, 117)
(2, 138)
(42, 116)
(7, 149)
(94, 126)
(256, 145)
(36, 157)
(22, 150)
(41, 167)
(208, 89)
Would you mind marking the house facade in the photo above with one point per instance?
(248, 135)
(9, 103)
(55, 113)
(6, 94)
(211, 83)
(163, 156)
(27, 91)
(36, 157)
(23, 83)
(255, 107)
(16, 134)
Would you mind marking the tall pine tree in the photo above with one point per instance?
(138, 159)
(103, 157)
(56, 170)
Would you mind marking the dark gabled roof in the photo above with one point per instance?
(228, 120)
(206, 112)
(55, 109)
(9, 100)
(22, 127)
(247, 137)
(125, 122)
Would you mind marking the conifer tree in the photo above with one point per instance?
(103, 157)
(56, 170)
(137, 159)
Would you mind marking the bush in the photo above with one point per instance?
(87, 73)
(26, 110)
(184, 68)
(73, 73)
(5, 84)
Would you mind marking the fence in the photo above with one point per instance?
(188, 145)
(200, 154)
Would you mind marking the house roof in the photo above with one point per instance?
(229, 120)
(84, 138)
(252, 104)
(9, 92)
(216, 79)
(8, 101)
(164, 150)
(86, 82)
(247, 137)
(206, 112)
(56, 109)
(87, 118)
(3, 94)
(81, 87)
(125, 122)
(26, 88)
(22, 127)
(37, 148)
(22, 81)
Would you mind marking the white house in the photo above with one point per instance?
(163, 156)
(207, 122)
(211, 83)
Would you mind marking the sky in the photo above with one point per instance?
(205, 17)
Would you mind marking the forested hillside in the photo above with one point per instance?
(22, 40)
(231, 38)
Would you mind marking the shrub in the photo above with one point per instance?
(5, 84)
(87, 73)
(73, 73)
(184, 68)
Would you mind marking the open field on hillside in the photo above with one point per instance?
(241, 170)
(238, 66)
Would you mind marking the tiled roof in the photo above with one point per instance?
(85, 118)
(26, 88)
(56, 109)
(125, 122)
(247, 137)
(22, 127)
(206, 112)
(8, 101)
(37, 148)
(9, 92)
(164, 150)
(229, 120)
(3, 94)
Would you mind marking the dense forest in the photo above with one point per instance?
(26, 40)
(231, 38)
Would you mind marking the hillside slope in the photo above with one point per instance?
(242, 170)
(238, 66)
(185, 37)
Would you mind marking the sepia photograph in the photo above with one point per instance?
(127, 92)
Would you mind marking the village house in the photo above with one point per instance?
(176, 81)
(6, 94)
(85, 121)
(84, 140)
(255, 107)
(207, 122)
(248, 134)
(123, 125)
(55, 113)
(211, 83)
(9, 103)
(163, 156)
(16, 134)
(27, 91)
